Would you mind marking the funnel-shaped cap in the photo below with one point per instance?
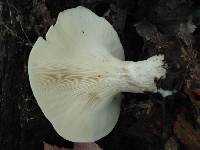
(67, 75)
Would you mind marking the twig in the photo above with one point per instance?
(12, 32)
(21, 26)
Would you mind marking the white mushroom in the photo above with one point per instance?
(77, 73)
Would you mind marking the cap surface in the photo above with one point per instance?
(65, 72)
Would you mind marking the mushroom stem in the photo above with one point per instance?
(138, 77)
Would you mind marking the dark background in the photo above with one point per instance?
(145, 28)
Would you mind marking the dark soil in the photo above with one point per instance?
(146, 28)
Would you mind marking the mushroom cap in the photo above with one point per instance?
(66, 75)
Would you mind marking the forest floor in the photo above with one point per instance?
(147, 121)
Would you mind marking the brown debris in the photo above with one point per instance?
(186, 132)
(77, 146)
